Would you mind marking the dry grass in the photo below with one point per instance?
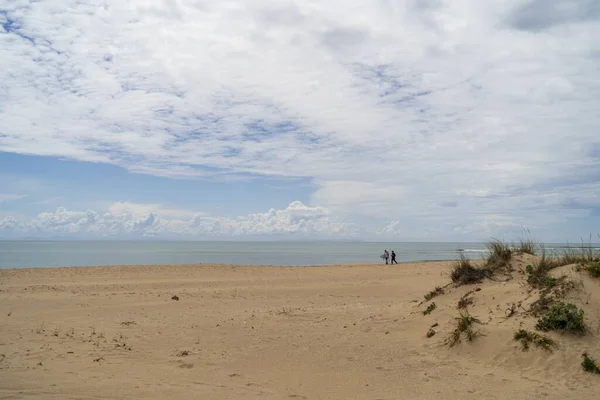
(464, 273)
(526, 245)
(435, 292)
(464, 302)
(500, 254)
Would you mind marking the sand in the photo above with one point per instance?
(336, 332)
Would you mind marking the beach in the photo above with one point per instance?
(246, 332)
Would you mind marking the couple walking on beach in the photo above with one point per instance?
(386, 257)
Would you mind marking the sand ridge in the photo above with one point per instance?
(337, 332)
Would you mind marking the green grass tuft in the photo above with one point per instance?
(464, 324)
(430, 309)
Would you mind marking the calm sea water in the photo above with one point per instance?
(25, 254)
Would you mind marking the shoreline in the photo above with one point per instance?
(210, 265)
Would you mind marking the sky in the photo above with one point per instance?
(413, 120)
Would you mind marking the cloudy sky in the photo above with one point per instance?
(380, 119)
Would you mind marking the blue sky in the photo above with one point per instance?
(389, 120)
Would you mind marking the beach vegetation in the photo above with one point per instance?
(499, 254)
(538, 273)
(593, 269)
(589, 364)
(526, 245)
(464, 273)
(435, 292)
(464, 302)
(585, 254)
(430, 309)
(563, 317)
(526, 338)
(464, 327)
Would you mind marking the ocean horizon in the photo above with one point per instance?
(71, 253)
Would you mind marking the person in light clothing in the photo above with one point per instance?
(386, 256)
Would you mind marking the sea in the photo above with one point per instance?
(61, 253)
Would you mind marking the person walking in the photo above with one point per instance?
(394, 257)
(386, 256)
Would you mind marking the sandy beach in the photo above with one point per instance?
(233, 332)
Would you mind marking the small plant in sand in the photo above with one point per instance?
(526, 337)
(589, 364)
(593, 269)
(464, 302)
(430, 309)
(464, 273)
(464, 324)
(563, 317)
(435, 292)
(538, 274)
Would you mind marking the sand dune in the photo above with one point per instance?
(339, 332)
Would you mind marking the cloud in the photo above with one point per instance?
(393, 109)
(126, 208)
(6, 197)
(126, 220)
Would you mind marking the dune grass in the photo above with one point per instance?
(526, 244)
(464, 273)
(464, 302)
(500, 254)
(538, 273)
(435, 292)
(464, 324)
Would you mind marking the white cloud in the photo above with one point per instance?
(6, 197)
(125, 219)
(398, 110)
(126, 208)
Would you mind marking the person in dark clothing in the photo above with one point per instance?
(394, 257)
